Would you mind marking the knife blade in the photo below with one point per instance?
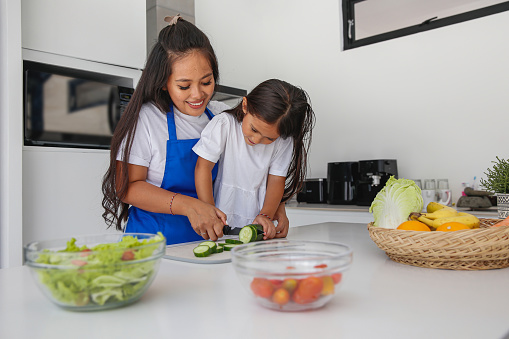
(227, 230)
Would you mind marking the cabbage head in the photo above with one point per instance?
(394, 203)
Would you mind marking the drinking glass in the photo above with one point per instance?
(429, 192)
(429, 184)
(443, 192)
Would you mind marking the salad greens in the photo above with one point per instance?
(105, 273)
(394, 203)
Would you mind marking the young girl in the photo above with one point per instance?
(261, 146)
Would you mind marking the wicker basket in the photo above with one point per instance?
(478, 249)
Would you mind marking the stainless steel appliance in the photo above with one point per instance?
(313, 191)
(373, 175)
(66, 107)
(342, 179)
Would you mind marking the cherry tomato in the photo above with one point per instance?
(281, 296)
(128, 255)
(276, 282)
(328, 285)
(336, 277)
(308, 290)
(310, 287)
(261, 287)
(289, 284)
(300, 298)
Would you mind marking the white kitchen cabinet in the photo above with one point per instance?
(111, 32)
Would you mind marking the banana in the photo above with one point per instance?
(434, 206)
(465, 218)
(427, 221)
(446, 212)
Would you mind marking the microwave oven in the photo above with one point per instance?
(66, 107)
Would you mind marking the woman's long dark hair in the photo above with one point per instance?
(278, 102)
(174, 42)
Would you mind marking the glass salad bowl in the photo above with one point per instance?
(291, 275)
(95, 272)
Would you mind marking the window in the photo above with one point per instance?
(370, 21)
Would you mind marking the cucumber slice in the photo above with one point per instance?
(259, 230)
(211, 244)
(228, 247)
(201, 251)
(219, 249)
(220, 244)
(251, 233)
(247, 234)
(233, 241)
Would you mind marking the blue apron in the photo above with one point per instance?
(178, 177)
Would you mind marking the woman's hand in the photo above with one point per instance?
(206, 219)
(283, 223)
(268, 226)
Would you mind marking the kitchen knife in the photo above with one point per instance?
(227, 230)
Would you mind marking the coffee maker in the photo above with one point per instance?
(373, 175)
(342, 179)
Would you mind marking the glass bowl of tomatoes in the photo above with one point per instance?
(291, 275)
(95, 272)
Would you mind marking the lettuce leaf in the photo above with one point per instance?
(394, 203)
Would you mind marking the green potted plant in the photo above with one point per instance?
(497, 181)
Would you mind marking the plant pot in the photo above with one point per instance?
(503, 205)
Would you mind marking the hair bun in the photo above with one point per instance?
(172, 20)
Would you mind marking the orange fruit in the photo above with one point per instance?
(414, 225)
(452, 226)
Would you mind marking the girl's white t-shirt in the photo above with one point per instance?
(241, 183)
(149, 142)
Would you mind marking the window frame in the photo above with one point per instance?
(349, 14)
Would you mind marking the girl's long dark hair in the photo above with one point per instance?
(278, 102)
(174, 42)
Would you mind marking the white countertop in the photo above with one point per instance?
(491, 212)
(378, 299)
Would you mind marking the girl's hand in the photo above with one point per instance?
(283, 223)
(206, 220)
(268, 226)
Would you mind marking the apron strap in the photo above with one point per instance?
(170, 120)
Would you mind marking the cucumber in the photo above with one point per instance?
(233, 241)
(211, 244)
(251, 233)
(228, 247)
(202, 251)
(219, 249)
(220, 244)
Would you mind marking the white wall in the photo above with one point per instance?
(435, 101)
(11, 133)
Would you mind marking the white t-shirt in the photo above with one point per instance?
(149, 142)
(241, 183)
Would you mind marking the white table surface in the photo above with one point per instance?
(378, 299)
